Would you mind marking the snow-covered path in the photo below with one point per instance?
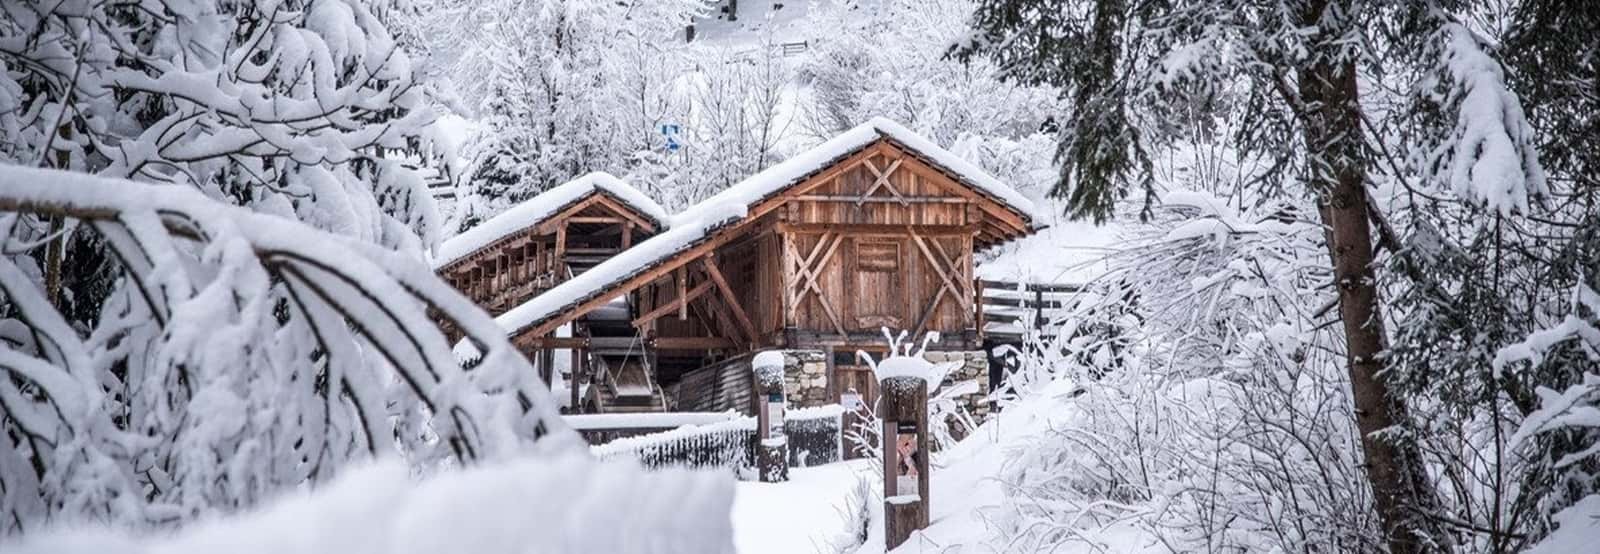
(806, 515)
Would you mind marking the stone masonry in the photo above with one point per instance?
(805, 378)
(975, 366)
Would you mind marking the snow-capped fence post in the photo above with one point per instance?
(905, 427)
(772, 446)
(904, 378)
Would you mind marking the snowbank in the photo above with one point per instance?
(536, 209)
(570, 504)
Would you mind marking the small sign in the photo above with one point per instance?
(775, 407)
(851, 400)
(670, 130)
(906, 485)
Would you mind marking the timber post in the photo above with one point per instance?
(772, 446)
(904, 410)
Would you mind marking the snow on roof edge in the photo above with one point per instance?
(534, 210)
(780, 176)
(696, 223)
(644, 256)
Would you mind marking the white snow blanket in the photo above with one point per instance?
(569, 504)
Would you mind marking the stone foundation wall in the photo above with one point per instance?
(805, 378)
(975, 366)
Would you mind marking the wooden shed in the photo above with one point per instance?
(876, 228)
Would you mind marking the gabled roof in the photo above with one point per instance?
(536, 210)
(696, 226)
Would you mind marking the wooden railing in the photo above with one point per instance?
(1014, 306)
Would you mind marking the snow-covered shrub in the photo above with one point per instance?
(557, 504)
(238, 355)
(1227, 425)
(1571, 414)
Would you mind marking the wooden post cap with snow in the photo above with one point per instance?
(772, 446)
(903, 379)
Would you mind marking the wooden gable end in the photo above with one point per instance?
(886, 184)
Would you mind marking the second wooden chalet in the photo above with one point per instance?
(876, 228)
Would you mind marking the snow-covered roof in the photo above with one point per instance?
(696, 224)
(535, 210)
(778, 177)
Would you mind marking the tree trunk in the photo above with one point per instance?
(1338, 173)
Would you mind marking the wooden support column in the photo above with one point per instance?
(904, 403)
(577, 374)
(560, 260)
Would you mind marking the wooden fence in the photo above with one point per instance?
(1007, 309)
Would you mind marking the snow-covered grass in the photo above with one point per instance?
(567, 504)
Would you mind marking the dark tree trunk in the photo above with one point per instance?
(1330, 98)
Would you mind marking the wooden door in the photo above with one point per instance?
(877, 296)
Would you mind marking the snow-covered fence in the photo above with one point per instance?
(814, 436)
(605, 428)
(726, 444)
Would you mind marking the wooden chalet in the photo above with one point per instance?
(876, 228)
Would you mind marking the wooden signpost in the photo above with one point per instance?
(904, 412)
(772, 446)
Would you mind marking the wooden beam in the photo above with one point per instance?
(561, 251)
(594, 219)
(622, 209)
(809, 275)
(676, 304)
(900, 200)
(547, 343)
(710, 263)
(549, 224)
(691, 343)
(869, 229)
(683, 285)
(881, 180)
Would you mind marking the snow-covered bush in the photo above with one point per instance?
(557, 504)
(1570, 415)
(1226, 425)
(238, 355)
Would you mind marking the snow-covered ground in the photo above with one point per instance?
(820, 508)
(541, 505)
(810, 513)
(967, 489)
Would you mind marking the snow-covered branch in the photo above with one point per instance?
(280, 353)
